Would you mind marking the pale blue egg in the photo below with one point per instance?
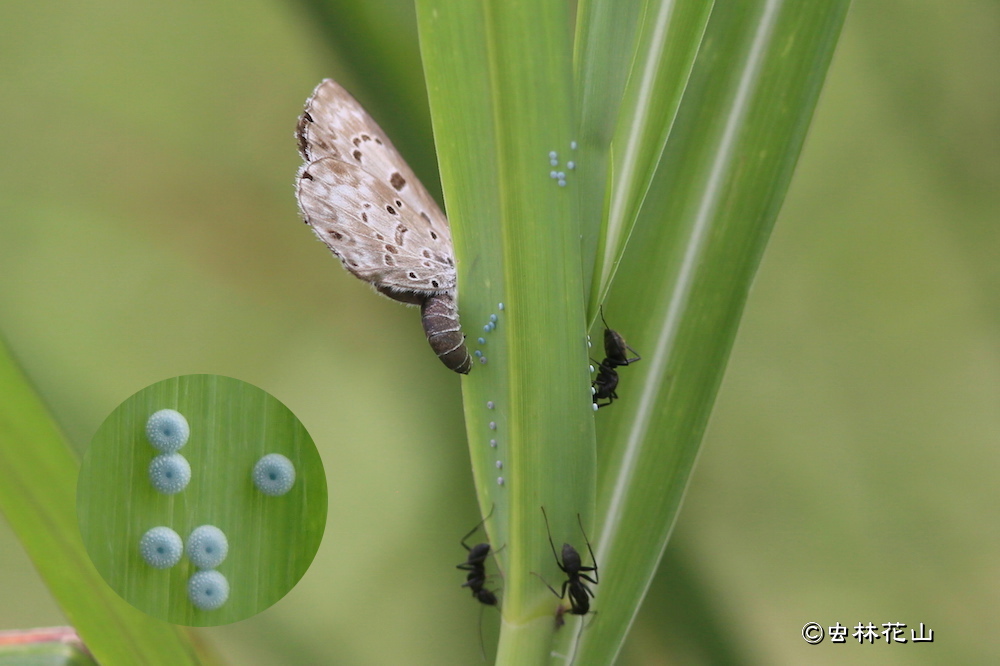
(167, 430)
(274, 474)
(208, 590)
(169, 473)
(161, 547)
(207, 547)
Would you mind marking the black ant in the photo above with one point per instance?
(616, 348)
(572, 566)
(475, 564)
(605, 383)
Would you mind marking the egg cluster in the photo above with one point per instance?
(560, 176)
(207, 546)
(489, 327)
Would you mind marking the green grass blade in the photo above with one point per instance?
(469, 116)
(604, 49)
(39, 500)
(499, 80)
(670, 34)
(682, 284)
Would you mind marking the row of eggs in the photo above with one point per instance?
(167, 430)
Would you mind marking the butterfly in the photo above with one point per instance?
(364, 202)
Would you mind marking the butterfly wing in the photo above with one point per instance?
(363, 200)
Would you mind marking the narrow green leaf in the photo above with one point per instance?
(683, 281)
(670, 34)
(39, 500)
(603, 54)
(499, 80)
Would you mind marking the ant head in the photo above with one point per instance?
(479, 552)
(614, 345)
(570, 559)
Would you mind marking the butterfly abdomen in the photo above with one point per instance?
(444, 332)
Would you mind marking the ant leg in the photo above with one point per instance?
(584, 624)
(629, 361)
(478, 525)
(496, 562)
(591, 550)
(551, 589)
(482, 642)
(552, 545)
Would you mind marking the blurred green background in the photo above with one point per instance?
(148, 229)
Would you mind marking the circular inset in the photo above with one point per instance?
(272, 541)
(167, 430)
(169, 473)
(274, 474)
(208, 590)
(161, 547)
(207, 547)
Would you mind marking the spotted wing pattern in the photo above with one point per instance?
(365, 203)
(363, 200)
